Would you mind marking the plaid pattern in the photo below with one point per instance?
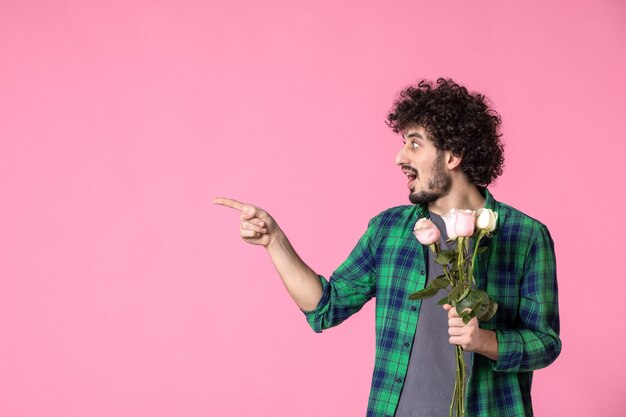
(518, 271)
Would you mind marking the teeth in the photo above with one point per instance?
(411, 175)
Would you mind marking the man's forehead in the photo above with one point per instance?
(414, 131)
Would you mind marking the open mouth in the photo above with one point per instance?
(411, 175)
(411, 181)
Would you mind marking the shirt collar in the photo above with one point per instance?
(490, 203)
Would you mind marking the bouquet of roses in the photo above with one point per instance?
(458, 268)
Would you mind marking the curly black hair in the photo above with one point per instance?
(455, 120)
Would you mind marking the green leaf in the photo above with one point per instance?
(476, 304)
(425, 293)
(465, 293)
(481, 250)
(475, 301)
(467, 316)
(446, 256)
(491, 311)
(443, 301)
(464, 304)
(432, 289)
(481, 296)
(465, 312)
(440, 282)
(455, 294)
(481, 308)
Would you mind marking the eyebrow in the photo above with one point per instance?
(414, 135)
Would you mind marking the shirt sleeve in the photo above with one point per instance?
(350, 286)
(535, 343)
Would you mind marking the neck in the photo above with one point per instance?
(462, 196)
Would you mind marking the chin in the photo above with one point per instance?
(423, 197)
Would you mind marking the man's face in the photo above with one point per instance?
(424, 166)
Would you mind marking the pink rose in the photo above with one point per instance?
(459, 223)
(449, 219)
(426, 231)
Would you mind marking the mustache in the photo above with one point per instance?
(409, 168)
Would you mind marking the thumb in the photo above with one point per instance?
(250, 212)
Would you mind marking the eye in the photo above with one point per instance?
(414, 145)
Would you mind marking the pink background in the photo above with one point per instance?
(125, 292)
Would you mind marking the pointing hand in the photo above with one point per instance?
(257, 226)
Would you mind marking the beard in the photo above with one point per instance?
(438, 185)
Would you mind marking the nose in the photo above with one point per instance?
(401, 158)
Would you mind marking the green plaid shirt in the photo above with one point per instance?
(518, 271)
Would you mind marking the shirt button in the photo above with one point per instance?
(398, 380)
(413, 308)
(406, 344)
(422, 272)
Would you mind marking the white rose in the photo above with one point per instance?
(486, 219)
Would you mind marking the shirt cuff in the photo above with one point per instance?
(510, 348)
(314, 317)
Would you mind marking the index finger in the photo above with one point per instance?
(452, 313)
(229, 202)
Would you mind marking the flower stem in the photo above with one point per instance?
(461, 382)
(459, 259)
(436, 249)
(481, 234)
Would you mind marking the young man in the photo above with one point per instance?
(451, 151)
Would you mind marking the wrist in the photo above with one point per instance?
(278, 241)
(489, 344)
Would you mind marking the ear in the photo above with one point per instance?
(452, 160)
